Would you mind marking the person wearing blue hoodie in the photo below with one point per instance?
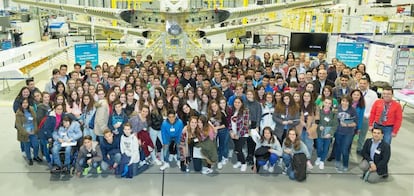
(117, 119)
(171, 130)
(66, 136)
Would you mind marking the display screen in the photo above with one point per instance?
(308, 42)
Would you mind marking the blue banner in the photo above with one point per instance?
(350, 53)
(88, 51)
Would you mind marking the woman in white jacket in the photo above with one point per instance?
(268, 108)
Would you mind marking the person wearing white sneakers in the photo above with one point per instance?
(271, 151)
(218, 120)
(239, 131)
(207, 144)
(171, 130)
(326, 129)
(158, 114)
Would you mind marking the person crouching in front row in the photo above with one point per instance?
(89, 157)
(376, 154)
(268, 151)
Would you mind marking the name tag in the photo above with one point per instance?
(172, 129)
(326, 119)
(377, 152)
(89, 155)
(282, 116)
(30, 118)
(195, 140)
(306, 113)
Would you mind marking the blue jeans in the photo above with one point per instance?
(56, 157)
(223, 148)
(362, 134)
(167, 146)
(287, 160)
(343, 143)
(308, 142)
(116, 158)
(272, 160)
(322, 145)
(387, 133)
(83, 164)
(45, 150)
(33, 142)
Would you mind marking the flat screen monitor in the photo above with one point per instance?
(308, 42)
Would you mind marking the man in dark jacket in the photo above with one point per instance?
(111, 153)
(376, 155)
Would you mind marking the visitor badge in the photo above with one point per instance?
(283, 116)
(89, 155)
(30, 118)
(172, 129)
(377, 151)
(306, 113)
(195, 140)
(326, 119)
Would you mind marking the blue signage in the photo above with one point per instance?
(84, 52)
(350, 53)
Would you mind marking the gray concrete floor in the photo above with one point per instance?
(17, 178)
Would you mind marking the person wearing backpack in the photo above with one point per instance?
(294, 149)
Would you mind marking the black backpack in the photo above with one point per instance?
(299, 166)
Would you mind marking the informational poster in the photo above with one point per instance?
(380, 63)
(404, 72)
(85, 52)
(350, 53)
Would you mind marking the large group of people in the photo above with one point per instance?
(267, 111)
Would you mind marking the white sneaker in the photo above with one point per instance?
(266, 167)
(321, 165)
(243, 167)
(206, 170)
(219, 165)
(178, 163)
(224, 161)
(237, 165)
(309, 165)
(318, 161)
(271, 169)
(157, 162)
(165, 166)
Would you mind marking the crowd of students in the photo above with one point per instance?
(140, 112)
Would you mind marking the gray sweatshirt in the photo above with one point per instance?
(255, 113)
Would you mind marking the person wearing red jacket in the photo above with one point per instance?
(386, 114)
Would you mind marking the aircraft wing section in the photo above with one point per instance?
(244, 12)
(98, 12)
(219, 30)
(125, 30)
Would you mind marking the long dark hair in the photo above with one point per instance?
(292, 107)
(296, 143)
(311, 107)
(361, 101)
(242, 108)
(272, 138)
(89, 107)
